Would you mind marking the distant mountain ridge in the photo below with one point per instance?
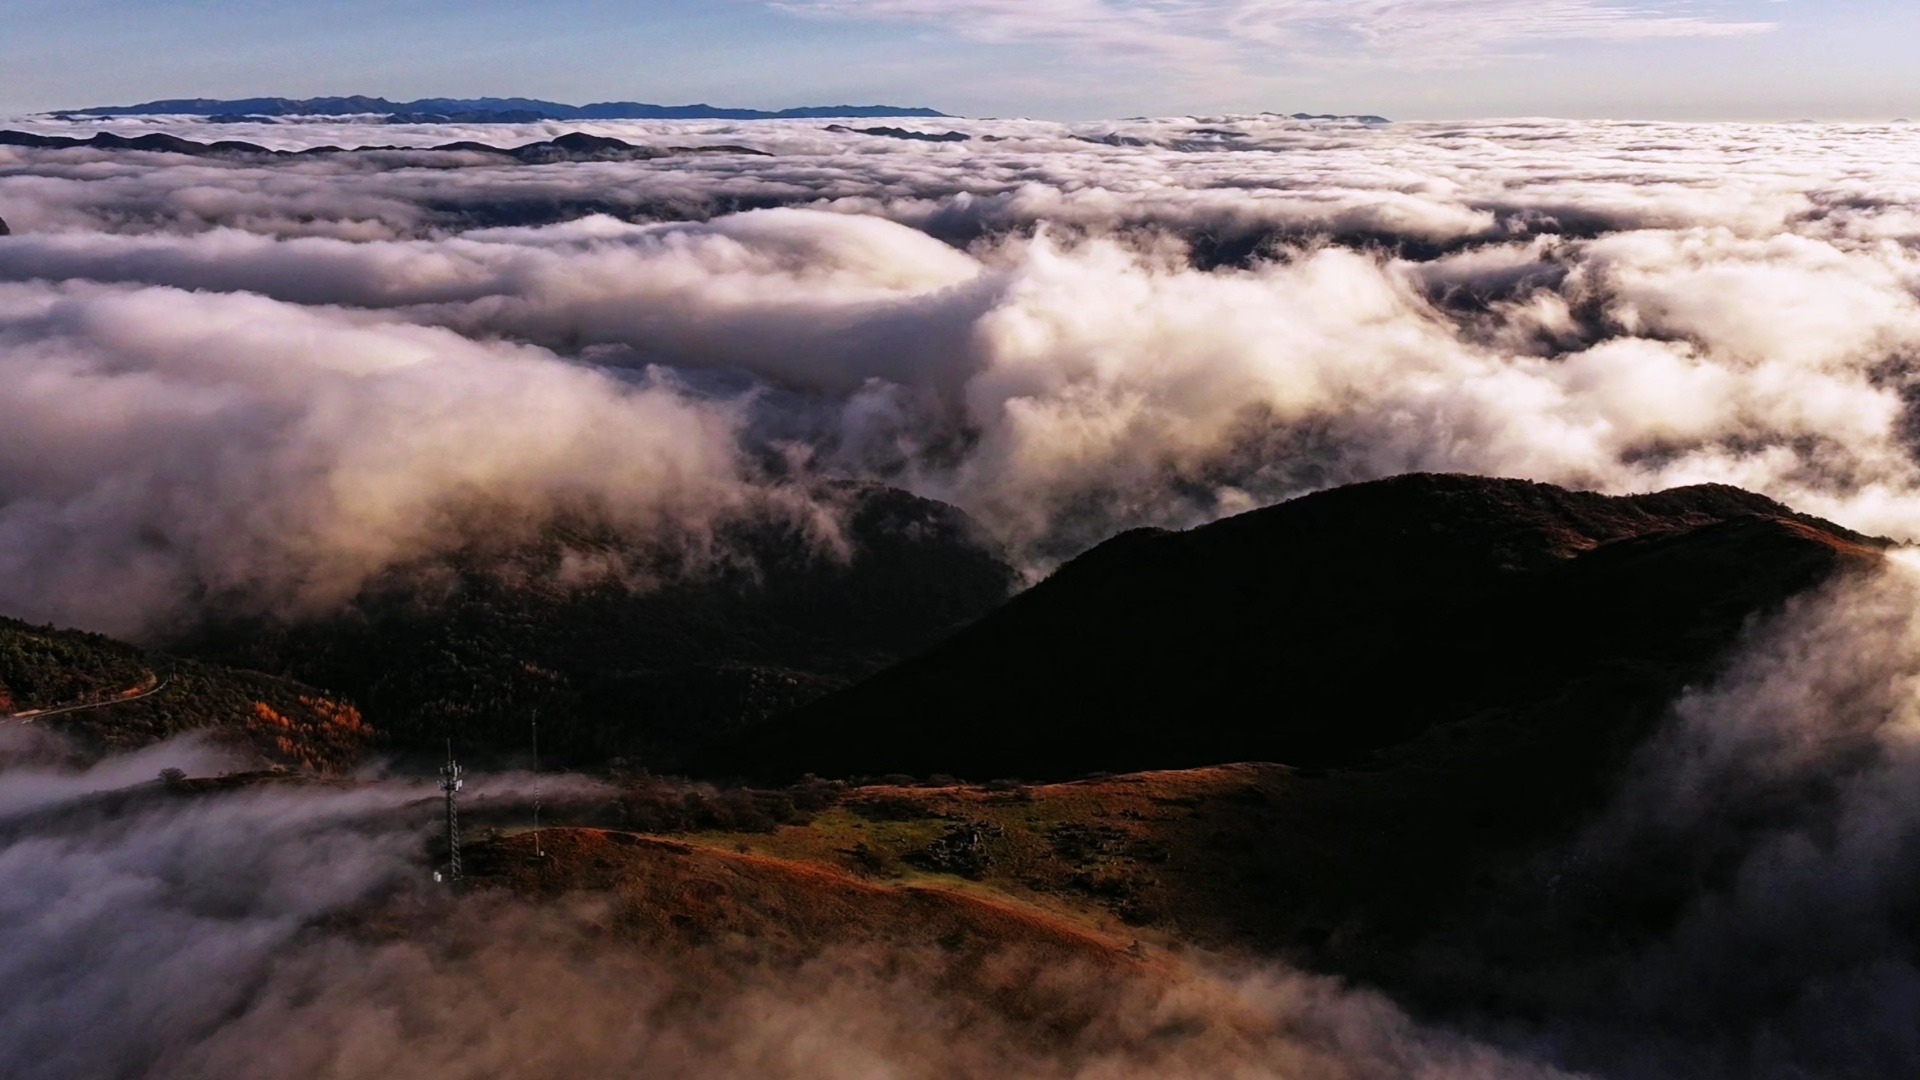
(480, 110)
(1360, 118)
(573, 146)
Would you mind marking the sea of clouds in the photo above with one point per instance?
(259, 382)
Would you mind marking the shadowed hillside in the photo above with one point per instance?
(1475, 690)
(1459, 672)
(1549, 623)
(627, 654)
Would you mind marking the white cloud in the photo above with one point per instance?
(163, 445)
(274, 380)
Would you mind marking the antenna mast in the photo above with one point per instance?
(539, 845)
(450, 783)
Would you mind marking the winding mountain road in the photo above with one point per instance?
(124, 697)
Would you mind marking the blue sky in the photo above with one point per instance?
(1066, 59)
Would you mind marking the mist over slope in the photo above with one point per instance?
(291, 931)
(625, 651)
(1554, 756)
(1739, 905)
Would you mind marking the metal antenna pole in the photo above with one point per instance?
(450, 784)
(539, 845)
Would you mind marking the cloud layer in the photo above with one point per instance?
(259, 384)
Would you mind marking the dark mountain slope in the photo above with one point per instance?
(636, 658)
(1332, 628)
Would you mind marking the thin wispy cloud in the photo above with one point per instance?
(1432, 32)
(1174, 28)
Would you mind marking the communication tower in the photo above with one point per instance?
(539, 844)
(450, 784)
